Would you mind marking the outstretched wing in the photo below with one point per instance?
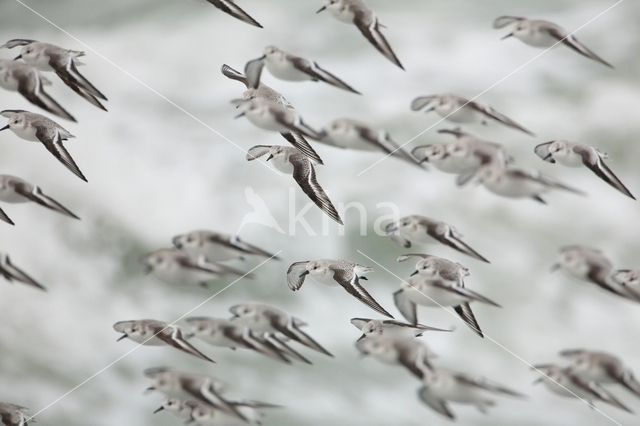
(301, 144)
(4, 217)
(594, 162)
(253, 71)
(228, 6)
(17, 42)
(503, 21)
(450, 239)
(295, 277)
(62, 66)
(52, 140)
(9, 270)
(349, 281)
(438, 405)
(30, 86)
(316, 72)
(572, 42)
(35, 194)
(305, 175)
(492, 113)
(542, 151)
(257, 151)
(406, 307)
(370, 29)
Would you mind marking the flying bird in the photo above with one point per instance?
(16, 190)
(263, 91)
(13, 415)
(38, 128)
(230, 7)
(577, 155)
(438, 282)
(291, 161)
(406, 351)
(358, 13)
(373, 327)
(544, 34)
(218, 246)
(19, 77)
(461, 110)
(289, 67)
(409, 230)
(151, 332)
(335, 272)
(64, 62)
(11, 272)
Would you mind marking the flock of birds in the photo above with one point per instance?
(200, 257)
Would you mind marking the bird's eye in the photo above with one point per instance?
(201, 328)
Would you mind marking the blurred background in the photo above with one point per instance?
(155, 171)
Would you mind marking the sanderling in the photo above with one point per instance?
(230, 7)
(177, 267)
(291, 161)
(289, 67)
(545, 34)
(563, 382)
(218, 246)
(335, 272)
(374, 327)
(151, 332)
(461, 110)
(11, 272)
(265, 319)
(420, 229)
(358, 13)
(602, 368)
(16, 190)
(438, 282)
(578, 155)
(441, 386)
(38, 128)
(263, 91)
(19, 77)
(64, 62)
(402, 350)
(351, 134)
(13, 415)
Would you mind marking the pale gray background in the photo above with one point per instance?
(154, 172)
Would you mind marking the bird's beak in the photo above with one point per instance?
(392, 227)
(431, 108)
(242, 114)
(322, 9)
(538, 380)
(158, 410)
(124, 336)
(5, 127)
(548, 157)
(17, 57)
(149, 390)
(424, 160)
(304, 274)
(269, 157)
(414, 273)
(507, 36)
(361, 337)
(176, 242)
(555, 267)
(147, 269)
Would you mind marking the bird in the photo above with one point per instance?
(230, 7)
(358, 13)
(563, 382)
(150, 332)
(270, 115)
(463, 156)
(16, 190)
(517, 182)
(38, 128)
(438, 282)
(591, 265)
(64, 62)
(409, 230)
(602, 368)
(394, 349)
(232, 334)
(544, 34)
(181, 409)
(441, 386)
(178, 384)
(263, 91)
(289, 67)
(206, 415)
(374, 327)
(265, 319)
(218, 246)
(578, 155)
(17, 76)
(13, 415)
(346, 133)
(289, 160)
(11, 272)
(335, 272)
(173, 266)
(628, 279)
(457, 109)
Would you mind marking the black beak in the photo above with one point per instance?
(158, 410)
(242, 114)
(361, 337)
(147, 269)
(124, 336)
(414, 273)
(304, 274)
(507, 36)
(149, 389)
(322, 9)
(5, 127)
(555, 267)
(269, 157)
(548, 157)
(17, 57)
(424, 160)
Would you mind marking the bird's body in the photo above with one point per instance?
(402, 350)
(217, 246)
